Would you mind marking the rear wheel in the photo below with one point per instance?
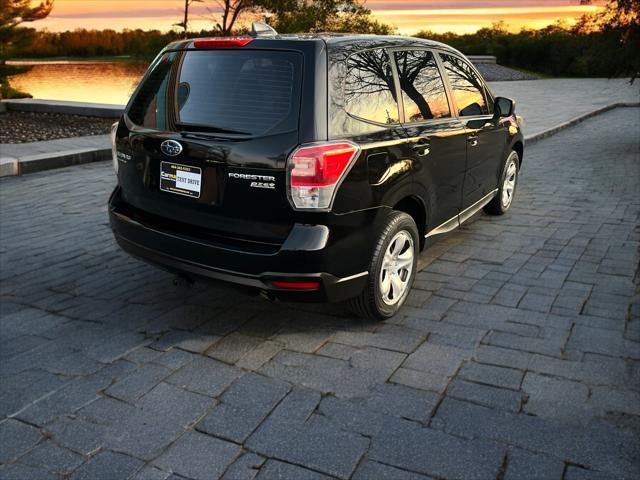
(507, 189)
(392, 269)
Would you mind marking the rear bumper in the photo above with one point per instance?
(302, 257)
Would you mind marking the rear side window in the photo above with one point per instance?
(468, 90)
(251, 92)
(369, 90)
(423, 92)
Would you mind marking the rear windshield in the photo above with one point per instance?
(250, 92)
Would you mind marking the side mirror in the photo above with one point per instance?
(503, 107)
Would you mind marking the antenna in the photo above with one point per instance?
(261, 29)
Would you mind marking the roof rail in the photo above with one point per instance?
(261, 29)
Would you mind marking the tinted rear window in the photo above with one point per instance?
(254, 92)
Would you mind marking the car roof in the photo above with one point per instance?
(332, 37)
(399, 40)
(337, 40)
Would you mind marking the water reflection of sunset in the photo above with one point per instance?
(408, 16)
(82, 82)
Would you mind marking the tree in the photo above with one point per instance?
(13, 13)
(296, 16)
(185, 22)
(300, 16)
(231, 11)
(623, 15)
(358, 20)
(622, 19)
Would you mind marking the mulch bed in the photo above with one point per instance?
(23, 127)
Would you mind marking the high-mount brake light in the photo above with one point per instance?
(221, 42)
(315, 171)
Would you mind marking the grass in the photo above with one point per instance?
(6, 90)
(8, 70)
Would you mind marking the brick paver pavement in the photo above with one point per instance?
(549, 102)
(517, 356)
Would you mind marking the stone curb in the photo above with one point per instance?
(103, 110)
(10, 166)
(576, 120)
(44, 161)
(476, 59)
(34, 163)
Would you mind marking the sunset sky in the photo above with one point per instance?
(408, 16)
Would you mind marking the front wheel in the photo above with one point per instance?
(392, 269)
(507, 189)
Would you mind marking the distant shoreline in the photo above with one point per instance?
(75, 60)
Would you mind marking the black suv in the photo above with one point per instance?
(310, 167)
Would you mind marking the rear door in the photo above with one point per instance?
(485, 137)
(209, 133)
(363, 108)
(437, 139)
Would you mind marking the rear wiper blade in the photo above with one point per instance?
(194, 128)
(227, 137)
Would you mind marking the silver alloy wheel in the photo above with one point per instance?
(509, 185)
(397, 267)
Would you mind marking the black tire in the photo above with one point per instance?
(370, 303)
(497, 206)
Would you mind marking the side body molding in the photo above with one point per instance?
(463, 216)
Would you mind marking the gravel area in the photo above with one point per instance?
(23, 127)
(497, 73)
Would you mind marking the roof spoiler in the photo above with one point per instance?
(261, 29)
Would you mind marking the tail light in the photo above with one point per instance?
(114, 152)
(315, 171)
(221, 42)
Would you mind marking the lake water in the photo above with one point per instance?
(80, 81)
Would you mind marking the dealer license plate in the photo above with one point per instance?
(180, 179)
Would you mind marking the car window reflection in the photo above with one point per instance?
(422, 88)
(468, 90)
(369, 89)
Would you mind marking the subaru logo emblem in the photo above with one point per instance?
(171, 148)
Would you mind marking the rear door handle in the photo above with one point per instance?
(473, 140)
(421, 147)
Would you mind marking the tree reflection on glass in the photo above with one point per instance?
(422, 87)
(369, 90)
(467, 87)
